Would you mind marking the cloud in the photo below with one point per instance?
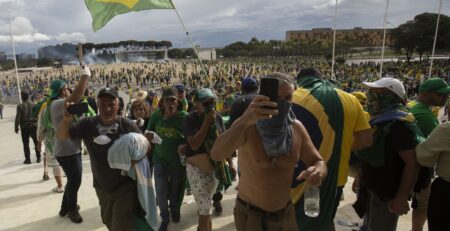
(73, 37)
(24, 32)
(26, 38)
(210, 23)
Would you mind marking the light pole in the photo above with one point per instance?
(384, 38)
(435, 38)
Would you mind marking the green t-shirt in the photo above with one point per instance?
(171, 132)
(425, 118)
(184, 104)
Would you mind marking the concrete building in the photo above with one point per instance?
(207, 53)
(141, 55)
(24, 56)
(358, 36)
(2, 56)
(66, 52)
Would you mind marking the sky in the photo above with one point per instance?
(211, 23)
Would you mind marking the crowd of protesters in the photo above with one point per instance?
(184, 123)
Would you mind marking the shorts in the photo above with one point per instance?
(203, 186)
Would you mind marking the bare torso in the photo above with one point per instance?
(263, 184)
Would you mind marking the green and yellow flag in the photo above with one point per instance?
(104, 10)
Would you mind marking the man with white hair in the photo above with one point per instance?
(389, 168)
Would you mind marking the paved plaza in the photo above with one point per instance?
(28, 203)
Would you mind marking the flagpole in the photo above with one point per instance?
(384, 38)
(435, 38)
(190, 39)
(14, 55)
(334, 42)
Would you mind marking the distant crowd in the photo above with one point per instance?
(293, 129)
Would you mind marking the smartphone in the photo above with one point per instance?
(269, 88)
(77, 109)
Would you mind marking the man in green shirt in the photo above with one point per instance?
(432, 92)
(169, 174)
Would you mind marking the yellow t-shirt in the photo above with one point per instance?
(355, 119)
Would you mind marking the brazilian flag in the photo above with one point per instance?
(318, 106)
(104, 10)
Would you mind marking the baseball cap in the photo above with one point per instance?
(205, 94)
(170, 92)
(180, 87)
(249, 82)
(394, 85)
(435, 85)
(108, 91)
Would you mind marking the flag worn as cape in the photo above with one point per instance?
(104, 10)
(318, 106)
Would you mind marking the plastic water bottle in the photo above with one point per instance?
(312, 201)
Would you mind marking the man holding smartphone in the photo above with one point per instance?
(67, 152)
(263, 201)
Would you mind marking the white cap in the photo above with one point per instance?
(392, 84)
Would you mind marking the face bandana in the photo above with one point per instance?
(276, 133)
(378, 102)
(103, 138)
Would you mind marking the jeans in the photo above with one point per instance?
(26, 133)
(73, 168)
(169, 186)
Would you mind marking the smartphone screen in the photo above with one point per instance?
(269, 88)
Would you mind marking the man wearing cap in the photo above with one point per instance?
(182, 96)
(337, 125)
(67, 152)
(169, 173)
(201, 128)
(432, 92)
(389, 168)
(116, 193)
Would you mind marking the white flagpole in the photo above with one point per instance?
(192, 42)
(435, 38)
(334, 42)
(384, 38)
(14, 55)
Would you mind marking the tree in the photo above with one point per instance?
(418, 34)
(403, 39)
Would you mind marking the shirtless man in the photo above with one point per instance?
(263, 201)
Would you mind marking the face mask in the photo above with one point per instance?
(276, 133)
(283, 107)
(378, 102)
(103, 130)
(102, 140)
